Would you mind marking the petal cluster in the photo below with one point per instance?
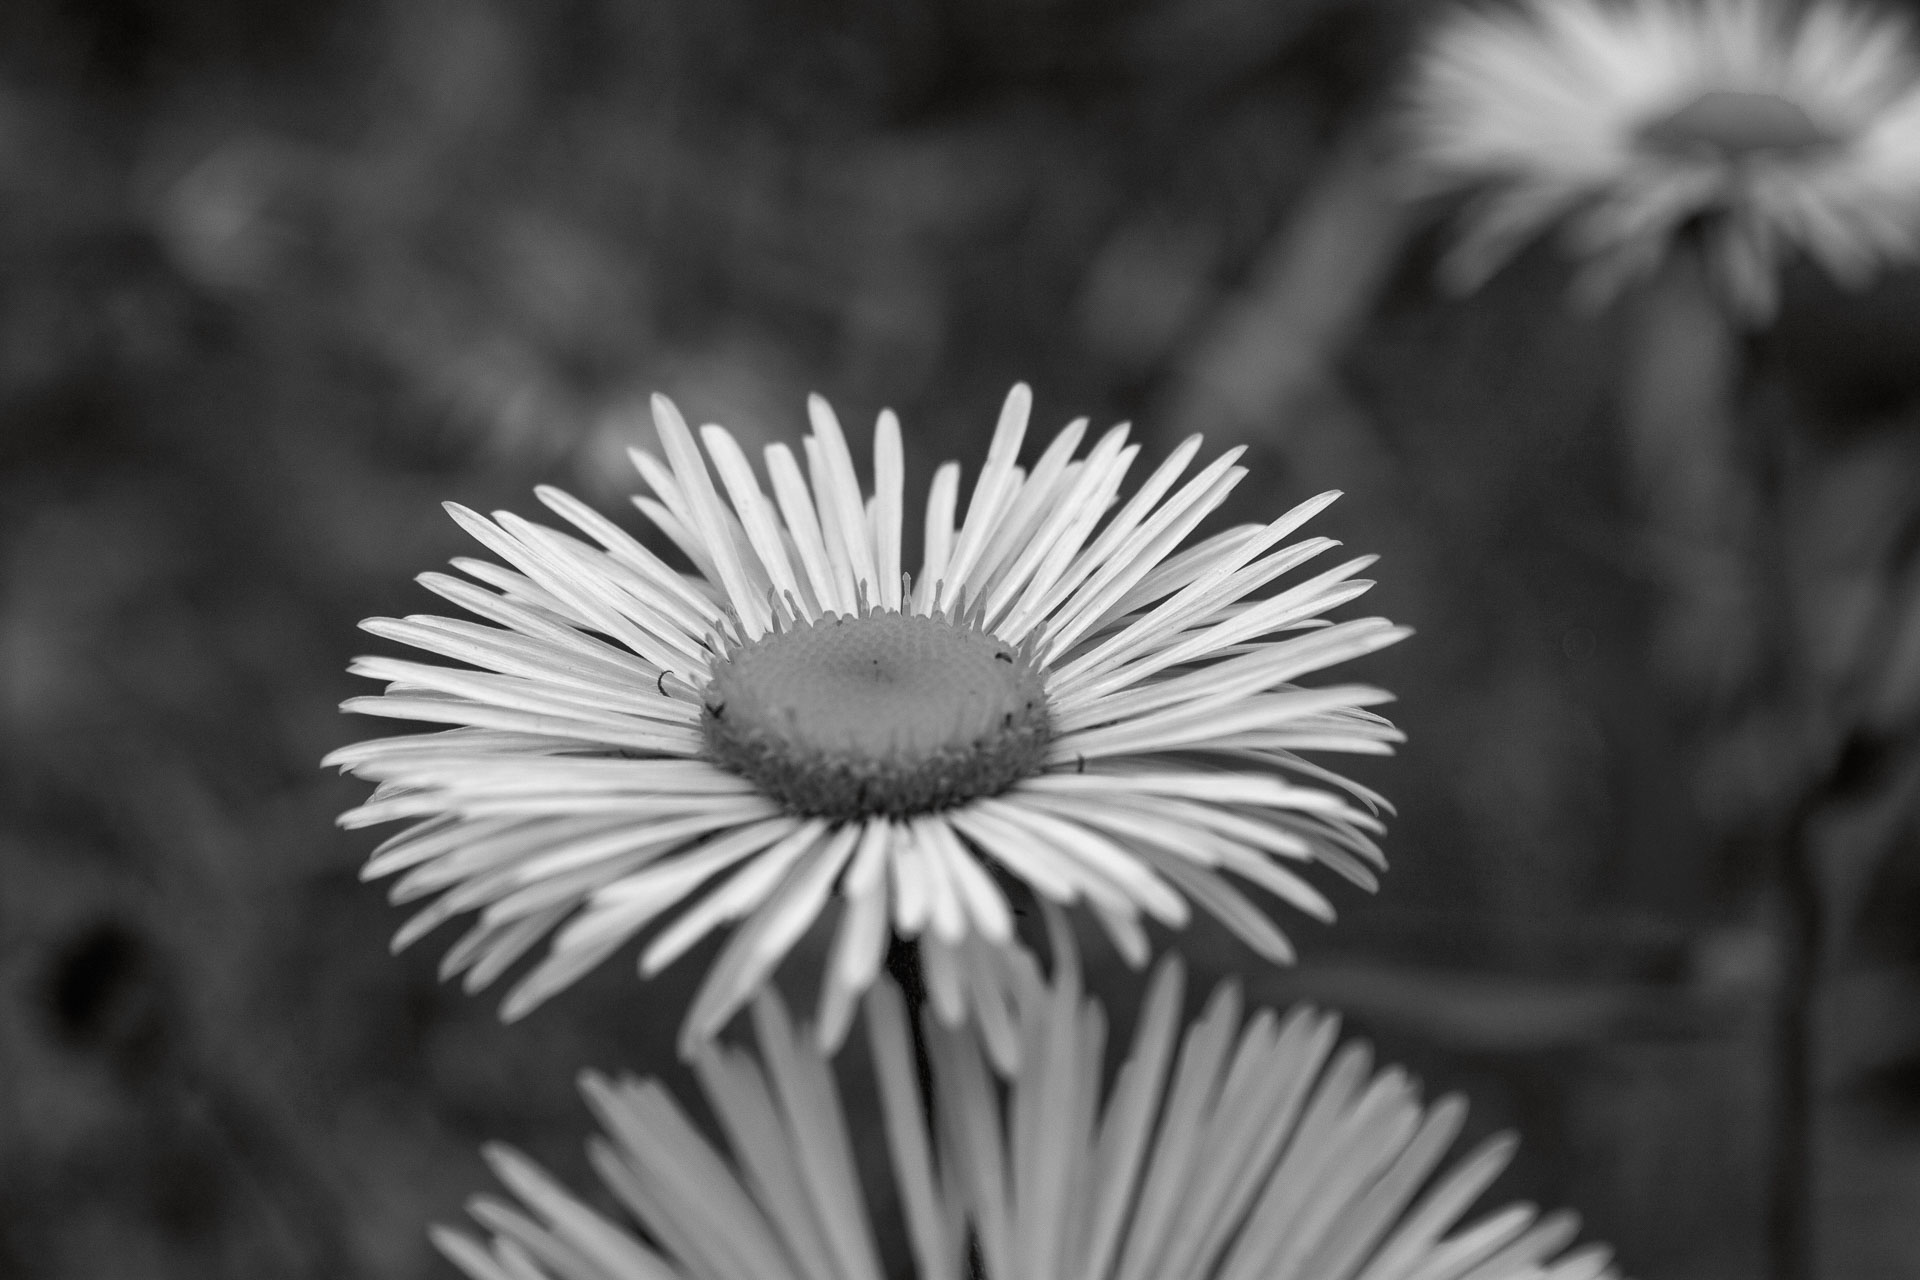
(1247, 1147)
(1542, 110)
(571, 798)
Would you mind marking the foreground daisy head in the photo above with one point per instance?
(1765, 127)
(1069, 700)
(1251, 1148)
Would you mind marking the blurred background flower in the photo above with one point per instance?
(279, 279)
(1759, 127)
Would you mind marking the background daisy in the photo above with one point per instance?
(1071, 695)
(1628, 123)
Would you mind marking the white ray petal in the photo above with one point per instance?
(920, 1191)
(744, 891)
(1194, 606)
(709, 519)
(803, 523)
(555, 693)
(860, 946)
(1146, 546)
(756, 516)
(1212, 718)
(638, 735)
(527, 621)
(1100, 856)
(687, 1182)
(1055, 546)
(628, 551)
(764, 940)
(757, 1133)
(585, 598)
(945, 912)
(889, 483)
(1105, 549)
(993, 492)
(837, 488)
(912, 891)
(938, 540)
(940, 969)
(1418, 1234)
(817, 1130)
(970, 1127)
(834, 522)
(522, 590)
(594, 1235)
(974, 889)
(1037, 500)
(591, 665)
(1174, 1148)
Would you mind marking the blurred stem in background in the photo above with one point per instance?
(1271, 346)
(1715, 511)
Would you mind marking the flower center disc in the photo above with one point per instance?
(886, 713)
(1734, 124)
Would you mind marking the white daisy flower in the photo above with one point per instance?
(1065, 698)
(1765, 127)
(1264, 1153)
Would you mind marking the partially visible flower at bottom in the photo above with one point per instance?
(1269, 1154)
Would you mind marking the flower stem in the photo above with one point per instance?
(1792, 1205)
(903, 966)
(1791, 1191)
(1712, 497)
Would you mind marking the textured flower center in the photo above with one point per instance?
(1734, 125)
(886, 713)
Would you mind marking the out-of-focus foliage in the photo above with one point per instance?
(275, 280)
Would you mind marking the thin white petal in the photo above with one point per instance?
(764, 940)
(1194, 1082)
(860, 945)
(744, 891)
(1104, 551)
(626, 549)
(1038, 500)
(985, 905)
(817, 1130)
(834, 522)
(709, 519)
(756, 516)
(837, 489)
(945, 910)
(1158, 535)
(1053, 549)
(803, 523)
(946, 987)
(938, 540)
(993, 492)
(1099, 855)
(920, 1193)
(699, 1205)
(762, 1147)
(889, 482)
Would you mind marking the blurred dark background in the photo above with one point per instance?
(277, 279)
